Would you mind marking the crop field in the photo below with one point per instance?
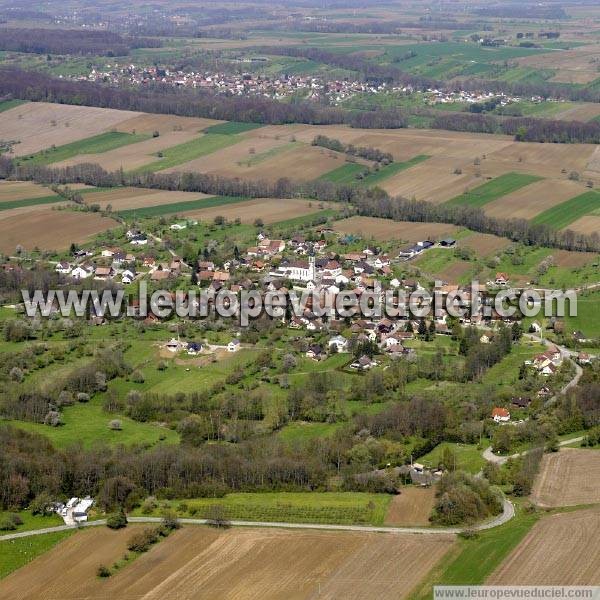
(236, 159)
(149, 123)
(49, 229)
(484, 244)
(22, 190)
(561, 549)
(198, 562)
(568, 478)
(345, 174)
(386, 229)
(494, 189)
(38, 125)
(14, 204)
(129, 198)
(97, 144)
(531, 200)
(412, 506)
(204, 202)
(232, 128)
(586, 225)
(567, 212)
(269, 210)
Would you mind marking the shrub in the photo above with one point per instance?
(103, 571)
(7, 524)
(137, 377)
(115, 425)
(117, 521)
(170, 521)
(142, 540)
(149, 505)
(83, 397)
(42, 504)
(216, 516)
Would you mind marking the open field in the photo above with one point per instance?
(49, 229)
(573, 260)
(127, 198)
(198, 562)
(568, 478)
(494, 189)
(561, 549)
(484, 244)
(411, 507)
(586, 225)
(527, 202)
(22, 190)
(386, 229)
(38, 125)
(88, 147)
(269, 210)
(567, 212)
(185, 206)
(149, 123)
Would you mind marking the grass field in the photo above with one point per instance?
(344, 175)
(88, 424)
(31, 522)
(473, 560)
(182, 153)
(31, 202)
(295, 507)
(568, 212)
(16, 553)
(96, 144)
(496, 188)
(8, 104)
(177, 207)
(232, 128)
(376, 177)
(468, 456)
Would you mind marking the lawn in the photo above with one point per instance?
(294, 507)
(182, 153)
(88, 424)
(506, 372)
(588, 315)
(494, 189)
(474, 560)
(96, 144)
(567, 212)
(16, 553)
(30, 202)
(232, 128)
(468, 456)
(303, 431)
(179, 207)
(31, 522)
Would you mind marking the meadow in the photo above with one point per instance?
(568, 212)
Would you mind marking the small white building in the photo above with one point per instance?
(234, 345)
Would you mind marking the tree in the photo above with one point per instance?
(117, 520)
(448, 458)
(216, 516)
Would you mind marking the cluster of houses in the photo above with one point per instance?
(548, 362)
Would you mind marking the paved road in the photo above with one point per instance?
(500, 460)
(507, 514)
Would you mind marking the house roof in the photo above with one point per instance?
(500, 412)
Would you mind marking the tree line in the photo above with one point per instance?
(367, 152)
(71, 41)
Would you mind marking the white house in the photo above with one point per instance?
(234, 345)
(340, 343)
(81, 272)
(127, 276)
(63, 267)
(501, 415)
(80, 510)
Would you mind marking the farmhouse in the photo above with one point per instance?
(501, 415)
(233, 346)
(339, 342)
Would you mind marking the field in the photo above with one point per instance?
(198, 562)
(269, 210)
(527, 202)
(568, 478)
(127, 198)
(586, 225)
(566, 213)
(412, 507)
(295, 507)
(97, 144)
(22, 190)
(561, 549)
(468, 457)
(484, 244)
(38, 125)
(185, 206)
(494, 189)
(49, 229)
(386, 229)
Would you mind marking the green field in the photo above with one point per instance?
(92, 145)
(562, 215)
(474, 560)
(31, 202)
(588, 315)
(8, 104)
(88, 423)
(178, 207)
(347, 173)
(468, 456)
(294, 507)
(494, 189)
(182, 153)
(16, 553)
(232, 128)
(344, 175)
(31, 522)
(301, 431)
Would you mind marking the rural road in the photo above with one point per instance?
(489, 455)
(507, 514)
